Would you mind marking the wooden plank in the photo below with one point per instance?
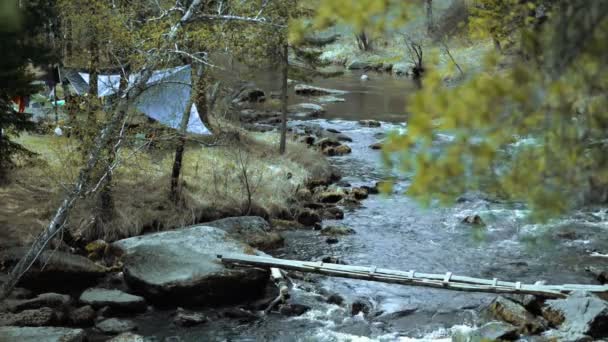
(399, 277)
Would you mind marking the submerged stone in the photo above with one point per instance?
(41, 334)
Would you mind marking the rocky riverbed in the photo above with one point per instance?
(169, 286)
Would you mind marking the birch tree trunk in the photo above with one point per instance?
(284, 75)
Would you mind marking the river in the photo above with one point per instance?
(395, 232)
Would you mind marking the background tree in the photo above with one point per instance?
(24, 46)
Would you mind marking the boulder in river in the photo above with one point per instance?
(41, 334)
(376, 146)
(308, 217)
(330, 196)
(181, 267)
(83, 316)
(581, 314)
(115, 326)
(55, 270)
(513, 313)
(359, 193)
(308, 90)
(329, 99)
(492, 331)
(128, 337)
(474, 220)
(370, 123)
(32, 318)
(51, 300)
(185, 318)
(115, 299)
(337, 231)
(327, 142)
(306, 110)
(252, 230)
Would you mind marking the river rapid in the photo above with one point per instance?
(394, 231)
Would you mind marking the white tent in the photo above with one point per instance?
(164, 100)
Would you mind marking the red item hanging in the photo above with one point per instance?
(20, 101)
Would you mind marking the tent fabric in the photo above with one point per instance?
(164, 100)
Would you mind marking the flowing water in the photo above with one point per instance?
(396, 232)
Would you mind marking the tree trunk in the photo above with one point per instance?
(284, 75)
(430, 26)
(181, 140)
(199, 92)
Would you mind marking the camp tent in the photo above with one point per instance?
(164, 100)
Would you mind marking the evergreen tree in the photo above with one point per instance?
(22, 45)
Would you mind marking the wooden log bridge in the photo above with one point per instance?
(444, 281)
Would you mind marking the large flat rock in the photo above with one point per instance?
(252, 230)
(115, 299)
(46, 334)
(181, 267)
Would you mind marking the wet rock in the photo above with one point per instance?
(293, 309)
(238, 313)
(599, 274)
(286, 224)
(20, 293)
(350, 202)
(115, 299)
(41, 334)
(329, 99)
(250, 93)
(31, 318)
(493, 331)
(184, 318)
(359, 193)
(370, 123)
(343, 137)
(335, 299)
(567, 235)
(83, 316)
(252, 230)
(313, 205)
(96, 249)
(337, 231)
(128, 337)
(61, 270)
(331, 240)
(361, 305)
(341, 150)
(581, 314)
(327, 142)
(514, 313)
(308, 217)
(371, 190)
(358, 64)
(304, 194)
(306, 110)
(113, 326)
(308, 140)
(333, 213)
(376, 146)
(308, 90)
(333, 260)
(392, 315)
(364, 77)
(332, 196)
(401, 68)
(181, 266)
(473, 220)
(51, 300)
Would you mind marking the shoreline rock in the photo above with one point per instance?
(180, 267)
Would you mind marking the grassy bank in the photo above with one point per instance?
(217, 181)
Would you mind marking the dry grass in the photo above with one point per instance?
(212, 186)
